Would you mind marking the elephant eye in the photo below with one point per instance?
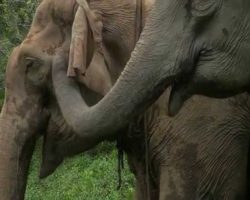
(31, 62)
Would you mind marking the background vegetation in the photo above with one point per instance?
(92, 176)
(15, 19)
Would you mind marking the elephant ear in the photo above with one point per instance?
(86, 37)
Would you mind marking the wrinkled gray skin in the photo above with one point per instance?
(199, 46)
(22, 120)
(183, 42)
(23, 116)
(203, 152)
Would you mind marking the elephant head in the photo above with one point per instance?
(22, 119)
(198, 47)
(60, 139)
(29, 108)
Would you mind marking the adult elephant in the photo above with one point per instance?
(199, 46)
(28, 85)
(29, 108)
(186, 157)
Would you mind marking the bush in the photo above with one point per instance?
(16, 17)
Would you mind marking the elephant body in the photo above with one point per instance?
(202, 153)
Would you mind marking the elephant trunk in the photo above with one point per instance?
(18, 132)
(158, 59)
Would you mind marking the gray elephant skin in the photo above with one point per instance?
(193, 45)
(200, 154)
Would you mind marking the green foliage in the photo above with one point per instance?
(16, 17)
(88, 176)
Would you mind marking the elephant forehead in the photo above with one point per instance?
(47, 30)
(63, 12)
(60, 12)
